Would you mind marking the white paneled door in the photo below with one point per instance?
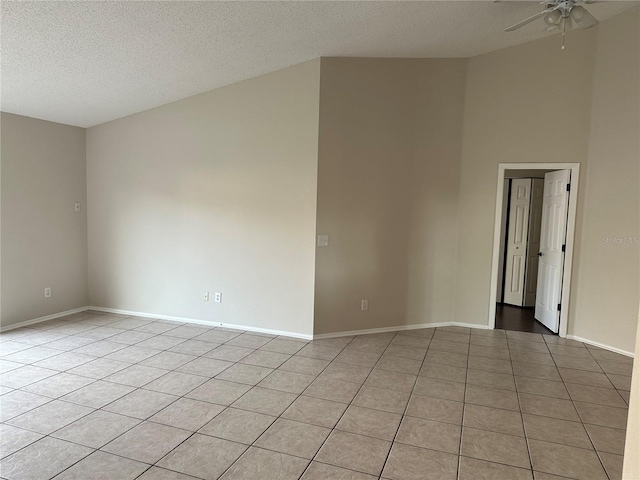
(517, 241)
(552, 245)
(535, 222)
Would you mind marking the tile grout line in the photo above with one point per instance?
(464, 411)
(524, 428)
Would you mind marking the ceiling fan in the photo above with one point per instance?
(561, 15)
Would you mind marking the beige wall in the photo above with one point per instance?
(44, 241)
(606, 295)
(533, 103)
(389, 154)
(516, 101)
(631, 470)
(213, 193)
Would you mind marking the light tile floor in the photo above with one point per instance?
(102, 396)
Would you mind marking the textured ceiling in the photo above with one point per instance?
(85, 63)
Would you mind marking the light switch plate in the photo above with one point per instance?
(323, 240)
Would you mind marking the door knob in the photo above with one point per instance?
(539, 254)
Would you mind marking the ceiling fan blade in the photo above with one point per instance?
(583, 18)
(529, 20)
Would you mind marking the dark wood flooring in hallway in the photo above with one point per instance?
(509, 317)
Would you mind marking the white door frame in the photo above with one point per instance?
(571, 226)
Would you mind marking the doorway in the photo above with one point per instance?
(515, 259)
(519, 247)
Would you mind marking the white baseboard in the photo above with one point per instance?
(398, 328)
(601, 345)
(469, 325)
(301, 336)
(283, 332)
(203, 322)
(42, 319)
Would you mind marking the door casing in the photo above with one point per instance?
(571, 226)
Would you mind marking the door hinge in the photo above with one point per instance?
(559, 305)
(564, 248)
(568, 187)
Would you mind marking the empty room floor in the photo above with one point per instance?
(102, 396)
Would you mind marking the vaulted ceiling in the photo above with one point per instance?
(85, 63)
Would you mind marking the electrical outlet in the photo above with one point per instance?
(76, 206)
(217, 297)
(205, 297)
(364, 305)
(47, 292)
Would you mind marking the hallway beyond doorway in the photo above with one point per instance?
(520, 319)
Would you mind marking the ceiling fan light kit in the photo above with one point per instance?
(560, 15)
(553, 18)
